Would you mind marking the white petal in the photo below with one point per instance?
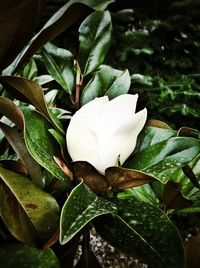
(129, 132)
(81, 141)
(122, 143)
(117, 110)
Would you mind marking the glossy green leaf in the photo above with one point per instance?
(142, 79)
(26, 208)
(106, 81)
(30, 70)
(94, 37)
(43, 79)
(187, 187)
(16, 32)
(60, 139)
(40, 143)
(60, 65)
(144, 232)
(23, 256)
(79, 209)
(60, 21)
(160, 160)
(17, 142)
(152, 135)
(31, 92)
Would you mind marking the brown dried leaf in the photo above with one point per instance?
(90, 176)
(122, 178)
(188, 132)
(157, 123)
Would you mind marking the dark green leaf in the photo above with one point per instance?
(152, 135)
(95, 36)
(106, 81)
(60, 65)
(40, 143)
(25, 208)
(80, 208)
(23, 256)
(144, 232)
(160, 160)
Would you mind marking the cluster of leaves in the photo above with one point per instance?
(160, 47)
(48, 203)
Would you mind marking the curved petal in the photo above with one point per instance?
(121, 144)
(129, 132)
(117, 110)
(81, 141)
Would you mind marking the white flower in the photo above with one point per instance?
(105, 132)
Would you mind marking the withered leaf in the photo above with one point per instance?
(157, 123)
(188, 132)
(90, 176)
(122, 178)
(173, 198)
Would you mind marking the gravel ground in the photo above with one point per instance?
(108, 256)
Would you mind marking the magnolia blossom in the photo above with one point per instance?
(103, 132)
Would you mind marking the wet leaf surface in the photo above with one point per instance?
(80, 208)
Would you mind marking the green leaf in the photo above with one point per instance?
(160, 160)
(23, 256)
(106, 81)
(142, 79)
(94, 37)
(60, 65)
(152, 135)
(60, 21)
(31, 92)
(30, 70)
(17, 142)
(144, 232)
(40, 143)
(26, 209)
(80, 208)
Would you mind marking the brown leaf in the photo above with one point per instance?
(90, 176)
(192, 252)
(17, 22)
(188, 132)
(12, 112)
(61, 20)
(16, 141)
(14, 166)
(63, 166)
(122, 178)
(173, 198)
(157, 123)
(31, 92)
